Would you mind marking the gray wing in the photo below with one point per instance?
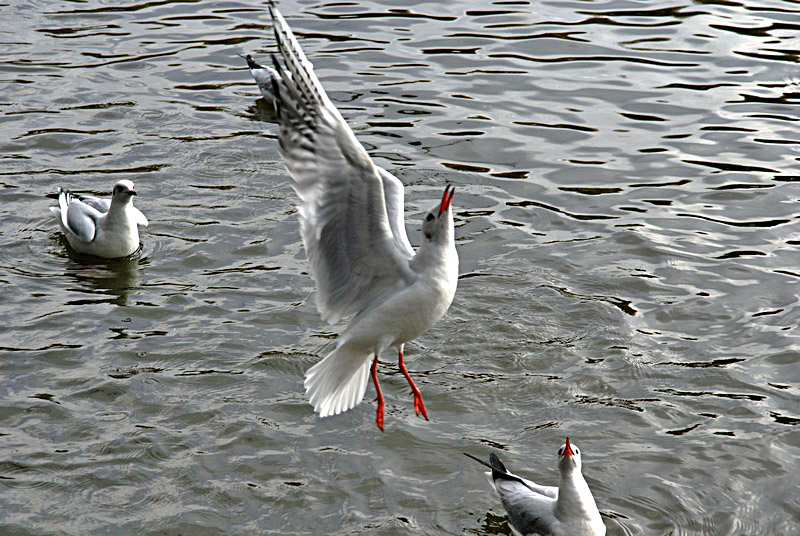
(77, 217)
(101, 205)
(530, 506)
(344, 220)
(529, 512)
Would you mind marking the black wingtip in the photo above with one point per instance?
(497, 465)
(477, 460)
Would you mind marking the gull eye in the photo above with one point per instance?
(429, 217)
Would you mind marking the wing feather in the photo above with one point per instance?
(348, 225)
(79, 218)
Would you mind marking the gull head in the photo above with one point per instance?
(438, 223)
(569, 458)
(123, 191)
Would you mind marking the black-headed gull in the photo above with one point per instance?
(566, 510)
(351, 221)
(101, 227)
(265, 76)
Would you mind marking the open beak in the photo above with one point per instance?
(447, 198)
(133, 192)
(568, 450)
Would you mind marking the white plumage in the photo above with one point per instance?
(533, 510)
(353, 230)
(106, 228)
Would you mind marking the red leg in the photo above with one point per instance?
(419, 405)
(379, 398)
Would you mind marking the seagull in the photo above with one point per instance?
(264, 76)
(353, 230)
(101, 227)
(534, 510)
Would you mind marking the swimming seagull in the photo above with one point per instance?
(566, 510)
(265, 76)
(102, 227)
(351, 222)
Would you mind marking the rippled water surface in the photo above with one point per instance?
(627, 223)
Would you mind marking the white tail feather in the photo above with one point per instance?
(64, 199)
(338, 382)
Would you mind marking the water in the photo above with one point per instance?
(626, 223)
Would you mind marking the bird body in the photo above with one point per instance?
(353, 230)
(534, 510)
(102, 227)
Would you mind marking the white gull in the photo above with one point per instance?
(101, 227)
(533, 510)
(353, 229)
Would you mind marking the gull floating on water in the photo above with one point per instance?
(102, 227)
(265, 76)
(352, 225)
(534, 510)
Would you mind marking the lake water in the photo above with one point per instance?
(627, 223)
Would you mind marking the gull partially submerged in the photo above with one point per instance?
(353, 230)
(265, 76)
(106, 228)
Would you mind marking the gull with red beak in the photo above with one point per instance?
(566, 510)
(353, 229)
(106, 228)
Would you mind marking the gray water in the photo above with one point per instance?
(626, 221)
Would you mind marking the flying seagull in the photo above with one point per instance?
(353, 229)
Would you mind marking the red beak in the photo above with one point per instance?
(568, 450)
(447, 198)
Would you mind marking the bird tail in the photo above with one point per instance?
(64, 197)
(338, 382)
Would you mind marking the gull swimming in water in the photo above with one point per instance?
(101, 227)
(265, 76)
(353, 230)
(533, 510)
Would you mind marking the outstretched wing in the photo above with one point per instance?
(355, 241)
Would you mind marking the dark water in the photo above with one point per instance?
(627, 226)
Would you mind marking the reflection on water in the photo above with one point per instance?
(103, 280)
(626, 223)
